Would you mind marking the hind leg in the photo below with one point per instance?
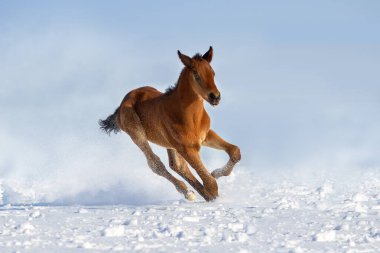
(130, 123)
(215, 141)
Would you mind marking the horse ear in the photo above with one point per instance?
(208, 55)
(186, 60)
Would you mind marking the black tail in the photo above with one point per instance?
(109, 124)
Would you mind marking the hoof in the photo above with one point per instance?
(211, 198)
(190, 195)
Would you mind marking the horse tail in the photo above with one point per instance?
(109, 124)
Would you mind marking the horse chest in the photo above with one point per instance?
(201, 127)
(192, 130)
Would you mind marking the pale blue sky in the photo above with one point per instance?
(187, 22)
(299, 80)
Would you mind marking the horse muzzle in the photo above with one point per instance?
(214, 99)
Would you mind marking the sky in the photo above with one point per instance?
(299, 81)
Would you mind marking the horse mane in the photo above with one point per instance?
(171, 88)
(197, 57)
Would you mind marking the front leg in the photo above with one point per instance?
(215, 141)
(191, 155)
(179, 165)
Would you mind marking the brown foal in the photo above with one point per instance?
(177, 121)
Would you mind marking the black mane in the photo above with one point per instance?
(170, 88)
(197, 57)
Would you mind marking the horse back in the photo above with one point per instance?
(140, 95)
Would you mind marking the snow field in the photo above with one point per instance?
(248, 217)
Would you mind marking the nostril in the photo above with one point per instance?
(212, 96)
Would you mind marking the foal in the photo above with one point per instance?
(177, 121)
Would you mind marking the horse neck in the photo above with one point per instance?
(187, 98)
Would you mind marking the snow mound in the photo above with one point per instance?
(326, 236)
(114, 231)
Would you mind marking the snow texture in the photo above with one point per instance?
(249, 216)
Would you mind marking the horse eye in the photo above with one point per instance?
(197, 77)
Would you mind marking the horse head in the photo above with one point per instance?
(203, 82)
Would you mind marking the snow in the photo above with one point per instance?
(359, 197)
(250, 216)
(326, 236)
(114, 231)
